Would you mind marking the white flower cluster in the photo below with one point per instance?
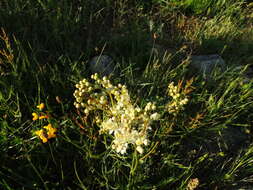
(178, 99)
(127, 123)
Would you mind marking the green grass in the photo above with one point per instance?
(45, 47)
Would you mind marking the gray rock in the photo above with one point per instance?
(205, 64)
(234, 138)
(103, 65)
(247, 73)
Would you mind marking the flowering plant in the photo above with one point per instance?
(47, 131)
(178, 96)
(127, 123)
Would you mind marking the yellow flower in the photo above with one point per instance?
(41, 134)
(41, 106)
(50, 131)
(43, 117)
(35, 116)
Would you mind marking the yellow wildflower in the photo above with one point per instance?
(43, 117)
(41, 106)
(50, 131)
(41, 134)
(35, 116)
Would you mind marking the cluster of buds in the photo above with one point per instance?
(179, 99)
(193, 184)
(89, 96)
(47, 131)
(128, 124)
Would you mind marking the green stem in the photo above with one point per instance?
(37, 172)
(133, 168)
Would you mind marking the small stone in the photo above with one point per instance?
(205, 64)
(234, 138)
(103, 65)
(247, 73)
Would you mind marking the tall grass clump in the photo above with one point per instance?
(198, 7)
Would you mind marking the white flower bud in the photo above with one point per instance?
(145, 142)
(139, 149)
(77, 106)
(138, 109)
(95, 76)
(78, 99)
(155, 116)
(90, 89)
(148, 106)
(89, 101)
(116, 93)
(102, 102)
(81, 86)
